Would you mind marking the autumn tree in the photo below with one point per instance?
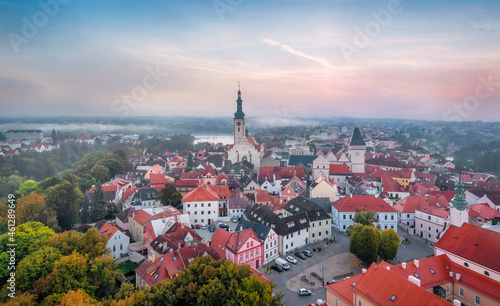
(389, 243)
(65, 199)
(98, 207)
(208, 282)
(90, 243)
(78, 297)
(32, 207)
(169, 195)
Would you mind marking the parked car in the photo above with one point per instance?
(320, 302)
(211, 228)
(300, 255)
(307, 253)
(234, 219)
(304, 291)
(291, 259)
(282, 263)
(197, 226)
(277, 268)
(203, 226)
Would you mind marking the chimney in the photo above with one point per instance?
(182, 226)
(457, 302)
(350, 195)
(153, 258)
(404, 265)
(412, 279)
(458, 276)
(363, 270)
(451, 274)
(376, 195)
(388, 268)
(416, 262)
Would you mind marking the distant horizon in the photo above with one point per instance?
(420, 60)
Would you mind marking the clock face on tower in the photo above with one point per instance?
(238, 123)
(357, 153)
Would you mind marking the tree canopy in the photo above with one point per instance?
(389, 243)
(364, 242)
(208, 282)
(169, 195)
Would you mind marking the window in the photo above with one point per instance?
(478, 301)
(291, 245)
(392, 217)
(313, 235)
(350, 216)
(407, 215)
(189, 205)
(246, 255)
(448, 289)
(428, 217)
(421, 225)
(319, 223)
(327, 233)
(359, 302)
(195, 220)
(286, 246)
(344, 226)
(385, 217)
(319, 234)
(343, 217)
(241, 257)
(486, 273)
(202, 204)
(326, 222)
(209, 204)
(461, 292)
(466, 264)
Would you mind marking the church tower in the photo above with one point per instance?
(459, 212)
(239, 119)
(357, 150)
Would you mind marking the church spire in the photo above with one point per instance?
(459, 201)
(239, 107)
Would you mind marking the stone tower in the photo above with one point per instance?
(459, 212)
(239, 119)
(357, 150)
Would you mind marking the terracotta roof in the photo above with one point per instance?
(340, 169)
(219, 240)
(403, 173)
(473, 243)
(237, 240)
(128, 192)
(159, 179)
(343, 289)
(368, 202)
(431, 271)
(262, 196)
(201, 193)
(485, 211)
(412, 203)
(449, 195)
(392, 290)
(390, 185)
(141, 217)
(172, 263)
(185, 183)
(477, 282)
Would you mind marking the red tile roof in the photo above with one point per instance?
(485, 211)
(343, 289)
(368, 202)
(219, 240)
(412, 203)
(390, 185)
(141, 217)
(263, 196)
(128, 192)
(428, 279)
(473, 243)
(201, 193)
(238, 239)
(449, 195)
(340, 169)
(477, 282)
(379, 286)
(191, 175)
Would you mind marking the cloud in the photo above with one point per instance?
(298, 53)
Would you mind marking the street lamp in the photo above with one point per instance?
(323, 275)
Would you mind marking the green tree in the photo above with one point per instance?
(29, 237)
(114, 165)
(389, 243)
(27, 187)
(85, 181)
(35, 266)
(85, 212)
(70, 273)
(98, 206)
(100, 173)
(364, 242)
(169, 195)
(65, 199)
(365, 217)
(103, 274)
(2, 137)
(208, 282)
